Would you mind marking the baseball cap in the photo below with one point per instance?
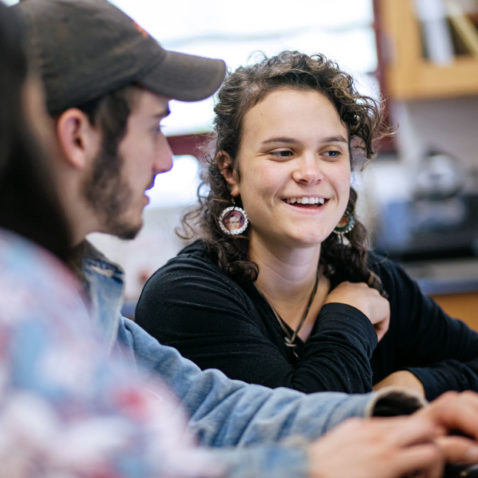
(85, 49)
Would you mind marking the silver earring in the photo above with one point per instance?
(346, 224)
(233, 220)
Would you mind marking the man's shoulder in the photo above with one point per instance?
(85, 256)
(28, 264)
(36, 285)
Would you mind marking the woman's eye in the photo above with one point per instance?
(333, 153)
(281, 153)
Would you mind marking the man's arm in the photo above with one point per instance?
(226, 412)
(292, 432)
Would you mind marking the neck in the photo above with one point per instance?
(80, 224)
(283, 270)
(286, 279)
(81, 220)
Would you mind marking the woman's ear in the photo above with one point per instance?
(230, 174)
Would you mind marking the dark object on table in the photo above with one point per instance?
(424, 229)
(461, 471)
(438, 220)
(439, 176)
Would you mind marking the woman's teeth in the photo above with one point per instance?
(306, 200)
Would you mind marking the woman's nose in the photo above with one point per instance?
(307, 170)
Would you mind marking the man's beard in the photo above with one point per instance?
(109, 195)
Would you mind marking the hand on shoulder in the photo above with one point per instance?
(367, 300)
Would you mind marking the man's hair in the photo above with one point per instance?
(243, 89)
(104, 188)
(110, 114)
(29, 204)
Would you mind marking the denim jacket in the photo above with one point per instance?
(223, 412)
(66, 408)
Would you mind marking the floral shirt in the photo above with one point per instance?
(66, 410)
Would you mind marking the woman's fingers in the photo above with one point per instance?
(367, 300)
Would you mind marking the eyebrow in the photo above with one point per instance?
(285, 139)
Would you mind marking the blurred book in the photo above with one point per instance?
(465, 31)
(436, 34)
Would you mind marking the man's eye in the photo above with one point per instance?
(159, 128)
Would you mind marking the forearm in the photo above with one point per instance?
(337, 355)
(447, 375)
(224, 412)
(279, 461)
(402, 378)
(299, 458)
(441, 352)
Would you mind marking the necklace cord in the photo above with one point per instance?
(307, 308)
(290, 339)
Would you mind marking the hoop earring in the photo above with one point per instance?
(233, 220)
(346, 224)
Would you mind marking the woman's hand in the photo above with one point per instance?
(378, 448)
(367, 300)
(402, 378)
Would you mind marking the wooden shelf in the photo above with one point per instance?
(408, 75)
(462, 306)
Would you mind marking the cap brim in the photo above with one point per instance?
(185, 77)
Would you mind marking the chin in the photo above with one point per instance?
(128, 233)
(311, 239)
(125, 230)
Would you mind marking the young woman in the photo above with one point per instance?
(289, 295)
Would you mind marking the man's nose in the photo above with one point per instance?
(164, 157)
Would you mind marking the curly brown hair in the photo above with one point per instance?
(243, 89)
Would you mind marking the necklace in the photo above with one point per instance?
(290, 338)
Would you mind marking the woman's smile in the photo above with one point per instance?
(294, 168)
(306, 201)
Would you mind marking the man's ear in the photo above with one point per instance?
(230, 174)
(78, 139)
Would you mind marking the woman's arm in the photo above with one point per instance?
(192, 306)
(441, 352)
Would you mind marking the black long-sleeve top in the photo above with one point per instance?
(218, 323)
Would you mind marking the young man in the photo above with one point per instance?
(108, 84)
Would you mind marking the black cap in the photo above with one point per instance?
(85, 49)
